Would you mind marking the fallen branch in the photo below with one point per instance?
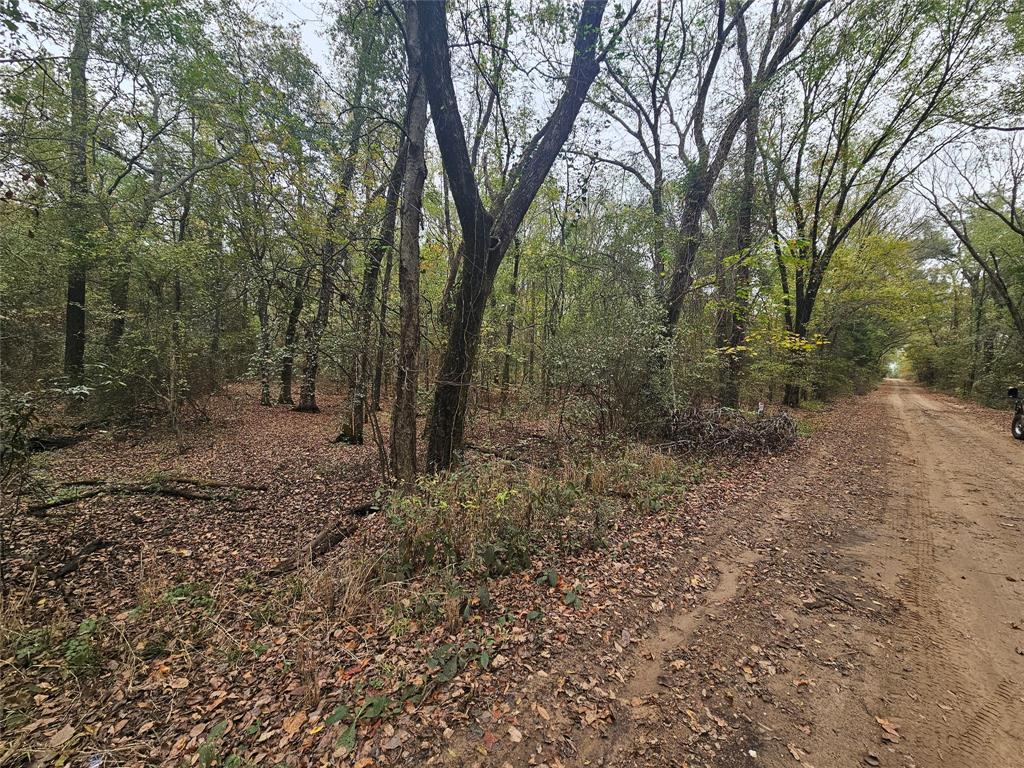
(508, 455)
(161, 487)
(324, 541)
(75, 562)
(210, 483)
(163, 490)
(125, 490)
(35, 509)
(41, 443)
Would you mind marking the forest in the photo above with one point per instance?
(351, 352)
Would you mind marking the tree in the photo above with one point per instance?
(403, 420)
(784, 29)
(78, 224)
(832, 155)
(488, 234)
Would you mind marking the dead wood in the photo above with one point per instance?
(75, 562)
(36, 509)
(509, 455)
(41, 443)
(324, 541)
(162, 487)
(201, 483)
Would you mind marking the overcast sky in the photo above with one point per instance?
(309, 15)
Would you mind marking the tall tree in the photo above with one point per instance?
(403, 418)
(783, 33)
(729, 392)
(78, 225)
(833, 155)
(352, 431)
(488, 234)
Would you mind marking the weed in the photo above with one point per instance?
(264, 615)
(82, 651)
(32, 646)
(191, 593)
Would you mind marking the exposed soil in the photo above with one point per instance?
(868, 611)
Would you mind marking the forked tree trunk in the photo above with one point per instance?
(487, 236)
(702, 183)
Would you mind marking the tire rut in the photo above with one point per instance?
(669, 636)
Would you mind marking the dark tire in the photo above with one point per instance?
(1017, 428)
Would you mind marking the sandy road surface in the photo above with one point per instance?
(870, 610)
(864, 608)
(953, 551)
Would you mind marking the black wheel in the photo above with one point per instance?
(1017, 428)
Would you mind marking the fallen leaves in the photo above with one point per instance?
(889, 731)
(62, 736)
(293, 723)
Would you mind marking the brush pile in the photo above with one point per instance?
(730, 431)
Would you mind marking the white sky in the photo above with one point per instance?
(311, 18)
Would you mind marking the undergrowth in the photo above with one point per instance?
(492, 518)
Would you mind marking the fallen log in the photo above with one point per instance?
(201, 483)
(75, 562)
(324, 541)
(41, 443)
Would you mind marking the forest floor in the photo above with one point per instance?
(856, 600)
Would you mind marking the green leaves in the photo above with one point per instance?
(341, 712)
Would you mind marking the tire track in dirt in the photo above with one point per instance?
(956, 714)
(670, 636)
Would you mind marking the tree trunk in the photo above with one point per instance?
(510, 324)
(119, 302)
(487, 236)
(315, 331)
(263, 312)
(78, 190)
(710, 166)
(330, 252)
(448, 417)
(382, 330)
(403, 420)
(353, 431)
(290, 332)
(803, 307)
(730, 392)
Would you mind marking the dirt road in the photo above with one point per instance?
(952, 550)
(866, 609)
(919, 609)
